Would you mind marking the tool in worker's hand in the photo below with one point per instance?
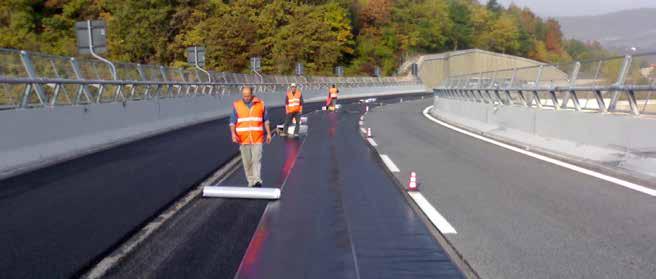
(241, 192)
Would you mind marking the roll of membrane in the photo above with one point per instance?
(241, 192)
(290, 130)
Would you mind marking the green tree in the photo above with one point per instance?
(462, 31)
(503, 36)
(138, 30)
(360, 34)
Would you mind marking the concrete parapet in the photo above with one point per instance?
(33, 138)
(620, 141)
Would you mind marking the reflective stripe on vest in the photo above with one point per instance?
(246, 129)
(294, 101)
(245, 119)
(249, 126)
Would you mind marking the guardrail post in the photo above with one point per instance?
(597, 93)
(57, 87)
(29, 68)
(478, 88)
(632, 102)
(165, 78)
(142, 76)
(554, 99)
(536, 96)
(186, 87)
(620, 82)
(83, 89)
(571, 93)
(510, 85)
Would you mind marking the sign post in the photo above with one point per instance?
(299, 69)
(377, 71)
(92, 39)
(196, 57)
(339, 71)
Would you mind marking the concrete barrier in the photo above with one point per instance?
(608, 140)
(34, 138)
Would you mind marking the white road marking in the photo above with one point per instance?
(372, 142)
(435, 217)
(623, 183)
(363, 130)
(388, 162)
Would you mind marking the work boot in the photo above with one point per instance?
(258, 185)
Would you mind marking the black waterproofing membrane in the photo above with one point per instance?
(341, 215)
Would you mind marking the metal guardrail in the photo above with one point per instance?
(29, 80)
(623, 84)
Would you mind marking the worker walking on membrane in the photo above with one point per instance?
(331, 102)
(248, 123)
(293, 110)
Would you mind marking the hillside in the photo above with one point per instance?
(357, 34)
(617, 31)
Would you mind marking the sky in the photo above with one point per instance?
(555, 8)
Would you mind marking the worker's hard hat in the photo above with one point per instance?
(293, 84)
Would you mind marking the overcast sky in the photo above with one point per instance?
(578, 7)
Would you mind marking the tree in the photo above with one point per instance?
(504, 36)
(138, 30)
(553, 35)
(494, 6)
(319, 33)
(462, 30)
(539, 52)
(229, 37)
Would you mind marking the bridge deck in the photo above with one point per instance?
(516, 216)
(340, 216)
(58, 220)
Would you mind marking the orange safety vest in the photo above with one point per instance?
(294, 101)
(333, 92)
(250, 125)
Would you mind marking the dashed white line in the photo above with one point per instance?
(388, 162)
(363, 130)
(372, 142)
(623, 183)
(435, 217)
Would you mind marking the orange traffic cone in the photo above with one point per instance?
(412, 185)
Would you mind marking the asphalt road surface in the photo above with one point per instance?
(58, 221)
(516, 216)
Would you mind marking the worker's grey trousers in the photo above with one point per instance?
(251, 158)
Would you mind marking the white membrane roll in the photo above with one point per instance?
(241, 192)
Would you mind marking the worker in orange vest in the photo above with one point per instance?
(248, 123)
(332, 97)
(293, 109)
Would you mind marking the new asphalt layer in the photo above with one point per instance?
(516, 216)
